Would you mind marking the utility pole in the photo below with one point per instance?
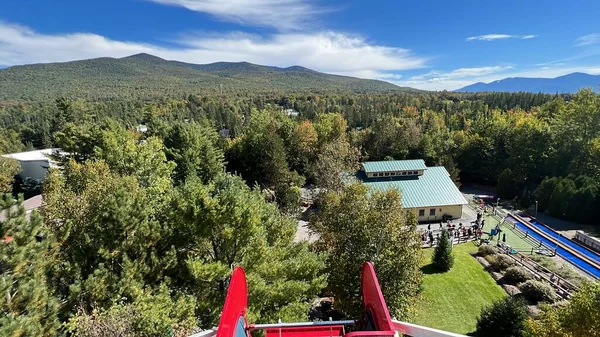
(536, 206)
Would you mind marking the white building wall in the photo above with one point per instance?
(455, 211)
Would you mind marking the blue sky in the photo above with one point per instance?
(424, 44)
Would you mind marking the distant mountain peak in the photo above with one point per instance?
(144, 57)
(569, 83)
(297, 68)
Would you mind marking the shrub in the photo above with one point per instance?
(506, 317)
(536, 291)
(491, 259)
(485, 250)
(442, 256)
(502, 262)
(516, 274)
(563, 270)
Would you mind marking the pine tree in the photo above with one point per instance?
(442, 256)
(27, 305)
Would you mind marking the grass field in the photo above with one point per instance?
(452, 301)
(513, 238)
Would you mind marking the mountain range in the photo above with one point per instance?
(569, 83)
(147, 76)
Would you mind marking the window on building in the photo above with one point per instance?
(404, 173)
(375, 174)
(421, 212)
(387, 174)
(432, 211)
(393, 173)
(415, 172)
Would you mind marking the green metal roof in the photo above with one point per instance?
(433, 188)
(394, 165)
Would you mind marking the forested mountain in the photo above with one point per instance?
(569, 83)
(147, 76)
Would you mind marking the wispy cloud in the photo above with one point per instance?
(492, 37)
(460, 73)
(323, 51)
(280, 14)
(587, 40)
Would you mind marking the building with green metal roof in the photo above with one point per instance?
(427, 191)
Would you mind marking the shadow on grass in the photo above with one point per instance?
(431, 269)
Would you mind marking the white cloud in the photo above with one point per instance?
(492, 37)
(460, 73)
(324, 51)
(280, 14)
(587, 40)
(21, 45)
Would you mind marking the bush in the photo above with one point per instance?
(506, 317)
(442, 256)
(491, 259)
(536, 291)
(485, 250)
(563, 270)
(501, 262)
(516, 274)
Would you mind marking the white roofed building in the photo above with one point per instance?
(34, 164)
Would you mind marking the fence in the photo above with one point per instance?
(563, 287)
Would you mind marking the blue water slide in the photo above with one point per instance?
(581, 249)
(580, 263)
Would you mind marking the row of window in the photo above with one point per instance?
(404, 173)
(431, 212)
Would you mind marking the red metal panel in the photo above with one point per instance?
(320, 331)
(235, 305)
(373, 299)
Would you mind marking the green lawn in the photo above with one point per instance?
(514, 238)
(452, 301)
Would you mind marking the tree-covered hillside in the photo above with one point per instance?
(147, 76)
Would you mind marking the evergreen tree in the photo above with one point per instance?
(193, 148)
(443, 257)
(504, 318)
(28, 306)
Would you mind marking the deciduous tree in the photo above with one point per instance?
(358, 225)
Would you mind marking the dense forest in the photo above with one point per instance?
(145, 76)
(139, 230)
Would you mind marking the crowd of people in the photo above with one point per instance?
(459, 232)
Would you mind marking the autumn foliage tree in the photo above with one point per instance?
(358, 225)
(579, 317)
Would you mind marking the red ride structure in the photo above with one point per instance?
(375, 320)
